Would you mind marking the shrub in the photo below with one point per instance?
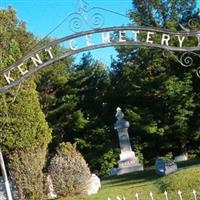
(69, 171)
(26, 168)
(108, 160)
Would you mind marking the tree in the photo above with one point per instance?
(24, 131)
(78, 110)
(158, 94)
(95, 140)
(59, 101)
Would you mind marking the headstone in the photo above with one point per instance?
(128, 161)
(113, 171)
(165, 167)
(94, 185)
(182, 157)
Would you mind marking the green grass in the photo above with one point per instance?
(187, 179)
(124, 185)
(148, 181)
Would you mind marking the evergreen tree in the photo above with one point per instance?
(96, 139)
(59, 101)
(78, 110)
(24, 132)
(158, 94)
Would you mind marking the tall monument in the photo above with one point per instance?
(128, 161)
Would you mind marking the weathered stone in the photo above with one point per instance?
(165, 167)
(128, 161)
(94, 185)
(113, 171)
(182, 157)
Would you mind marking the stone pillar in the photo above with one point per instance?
(128, 161)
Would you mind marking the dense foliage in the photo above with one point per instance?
(160, 97)
(82, 113)
(25, 166)
(24, 132)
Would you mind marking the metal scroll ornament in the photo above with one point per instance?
(186, 59)
(76, 22)
(192, 24)
(86, 16)
(97, 19)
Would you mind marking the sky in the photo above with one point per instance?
(42, 16)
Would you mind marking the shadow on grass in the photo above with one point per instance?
(148, 174)
(136, 177)
(137, 184)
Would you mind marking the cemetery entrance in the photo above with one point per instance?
(136, 37)
(173, 43)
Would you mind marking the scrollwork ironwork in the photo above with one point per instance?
(191, 25)
(75, 22)
(97, 19)
(91, 18)
(198, 72)
(87, 16)
(186, 59)
(84, 7)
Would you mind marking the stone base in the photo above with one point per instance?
(125, 170)
(129, 164)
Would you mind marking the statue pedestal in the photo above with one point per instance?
(128, 163)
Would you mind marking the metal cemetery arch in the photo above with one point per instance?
(34, 60)
(106, 41)
(95, 38)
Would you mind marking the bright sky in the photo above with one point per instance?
(42, 16)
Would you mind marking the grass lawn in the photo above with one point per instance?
(148, 181)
